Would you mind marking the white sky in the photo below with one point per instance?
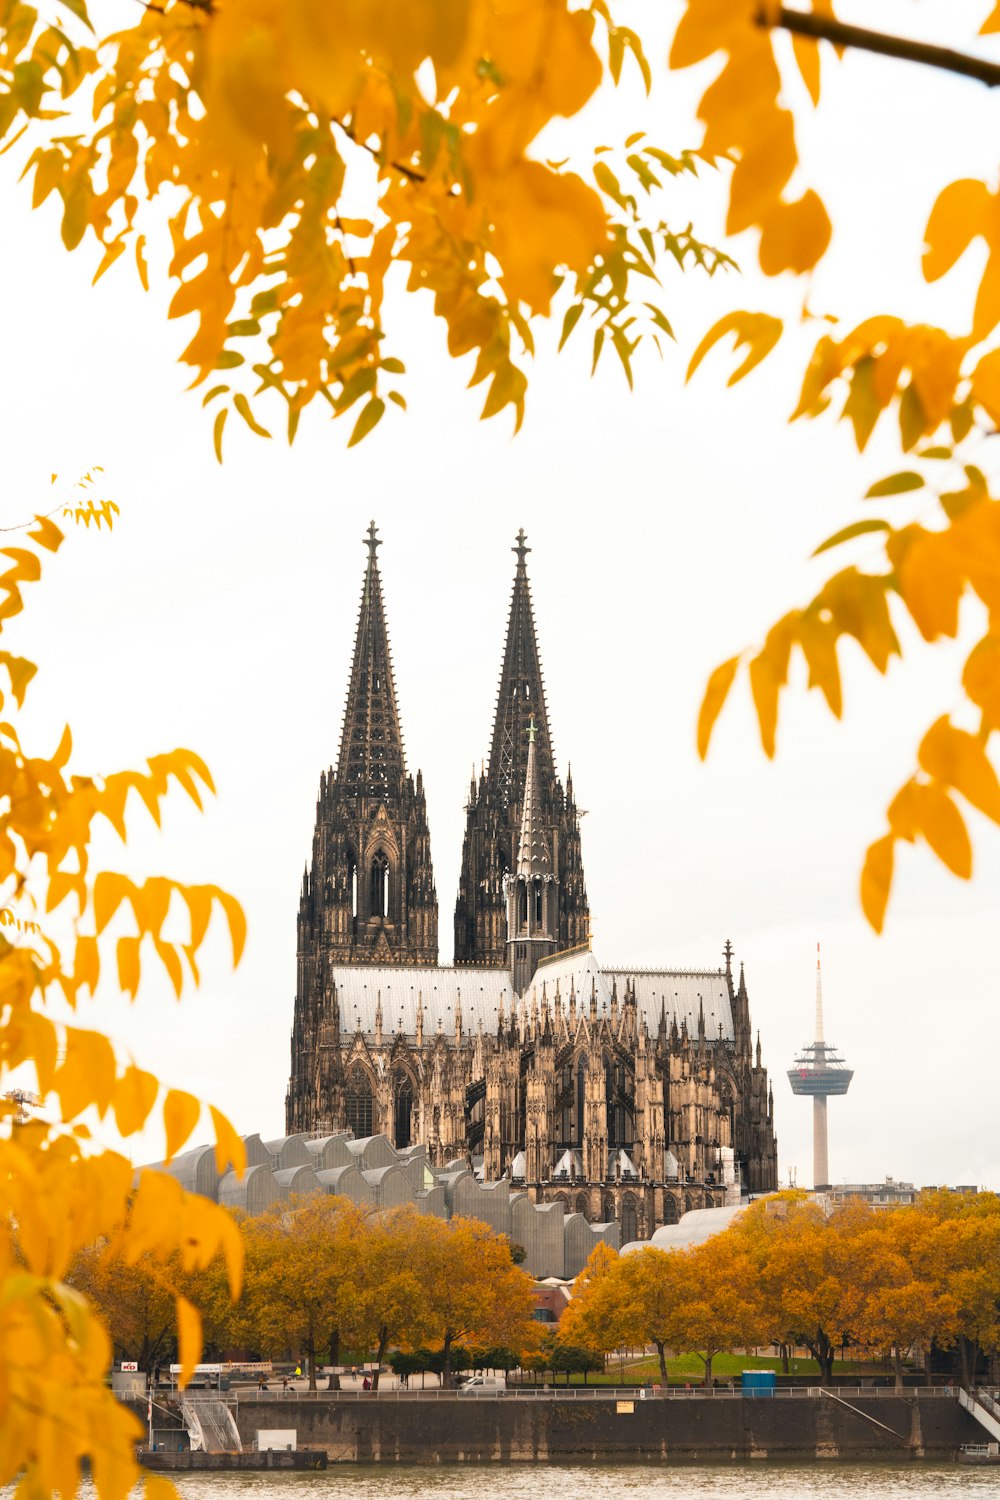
(668, 529)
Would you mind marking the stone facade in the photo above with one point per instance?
(624, 1095)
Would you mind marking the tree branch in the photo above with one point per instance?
(825, 28)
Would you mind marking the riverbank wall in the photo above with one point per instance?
(674, 1429)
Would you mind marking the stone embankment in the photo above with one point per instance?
(684, 1427)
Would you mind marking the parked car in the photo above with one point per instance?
(484, 1385)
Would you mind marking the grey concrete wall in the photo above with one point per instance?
(387, 1430)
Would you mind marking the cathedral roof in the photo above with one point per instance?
(480, 991)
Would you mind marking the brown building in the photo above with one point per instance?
(622, 1093)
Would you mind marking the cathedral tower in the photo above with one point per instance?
(494, 812)
(368, 896)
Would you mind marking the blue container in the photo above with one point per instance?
(759, 1382)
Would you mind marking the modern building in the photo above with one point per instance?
(623, 1094)
(820, 1072)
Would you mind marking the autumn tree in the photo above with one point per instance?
(302, 1281)
(717, 1307)
(475, 1292)
(65, 925)
(135, 1303)
(803, 1273)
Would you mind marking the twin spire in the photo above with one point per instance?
(372, 761)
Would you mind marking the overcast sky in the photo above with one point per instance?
(668, 529)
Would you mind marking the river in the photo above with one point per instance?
(609, 1482)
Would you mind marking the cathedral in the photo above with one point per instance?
(624, 1094)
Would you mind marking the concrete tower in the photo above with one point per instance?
(818, 1073)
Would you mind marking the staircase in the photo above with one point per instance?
(210, 1425)
(984, 1406)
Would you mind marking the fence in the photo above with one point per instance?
(603, 1393)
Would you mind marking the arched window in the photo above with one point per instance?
(630, 1219)
(583, 1205)
(688, 1203)
(608, 1209)
(403, 1111)
(379, 899)
(538, 903)
(669, 1209)
(359, 1105)
(522, 906)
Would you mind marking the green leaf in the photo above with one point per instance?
(369, 418)
(912, 418)
(78, 8)
(243, 407)
(220, 422)
(896, 484)
(857, 528)
(573, 315)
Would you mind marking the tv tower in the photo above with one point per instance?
(819, 1072)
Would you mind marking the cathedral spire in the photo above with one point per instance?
(533, 856)
(520, 697)
(372, 762)
(494, 818)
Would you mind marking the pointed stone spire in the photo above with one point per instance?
(520, 697)
(534, 856)
(371, 761)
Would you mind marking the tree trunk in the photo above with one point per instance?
(334, 1384)
(383, 1340)
(311, 1357)
(446, 1362)
(708, 1368)
(661, 1350)
(897, 1365)
(783, 1354)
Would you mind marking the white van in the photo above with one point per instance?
(484, 1385)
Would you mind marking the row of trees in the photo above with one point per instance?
(891, 1283)
(325, 1278)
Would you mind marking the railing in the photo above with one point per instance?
(604, 1393)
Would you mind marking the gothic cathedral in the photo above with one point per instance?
(622, 1094)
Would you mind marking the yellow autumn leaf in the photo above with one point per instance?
(876, 880)
(981, 678)
(794, 236)
(942, 826)
(931, 579)
(954, 222)
(764, 685)
(188, 1339)
(959, 760)
(986, 384)
(134, 1097)
(758, 331)
(716, 692)
(181, 1113)
(229, 1148)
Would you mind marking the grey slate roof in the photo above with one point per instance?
(480, 992)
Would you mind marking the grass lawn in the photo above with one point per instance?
(689, 1368)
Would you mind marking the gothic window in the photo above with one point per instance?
(538, 903)
(669, 1209)
(688, 1203)
(630, 1219)
(608, 1209)
(352, 883)
(583, 1205)
(359, 1105)
(379, 903)
(403, 1111)
(522, 906)
(561, 1198)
